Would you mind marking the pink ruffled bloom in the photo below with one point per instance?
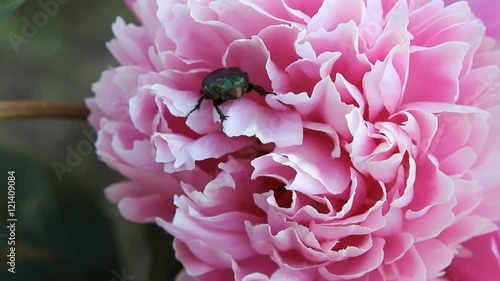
(377, 160)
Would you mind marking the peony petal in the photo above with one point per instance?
(332, 13)
(484, 256)
(441, 83)
(131, 45)
(486, 11)
(183, 276)
(435, 255)
(179, 152)
(356, 266)
(396, 247)
(247, 118)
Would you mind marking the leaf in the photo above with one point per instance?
(8, 6)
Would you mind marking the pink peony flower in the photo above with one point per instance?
(377, 160)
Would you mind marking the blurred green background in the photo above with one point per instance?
(66, 230)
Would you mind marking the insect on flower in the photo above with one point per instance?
(226, 84)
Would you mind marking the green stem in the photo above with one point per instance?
(42, 109)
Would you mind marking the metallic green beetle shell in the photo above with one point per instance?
(225, 83)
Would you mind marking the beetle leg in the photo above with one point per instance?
(197, 107)
(258, 89)
(222, 117)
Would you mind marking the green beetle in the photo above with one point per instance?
(226, 84)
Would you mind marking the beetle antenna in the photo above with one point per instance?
(197, 107)
(259, 89)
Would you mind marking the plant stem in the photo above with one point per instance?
(42, 109)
